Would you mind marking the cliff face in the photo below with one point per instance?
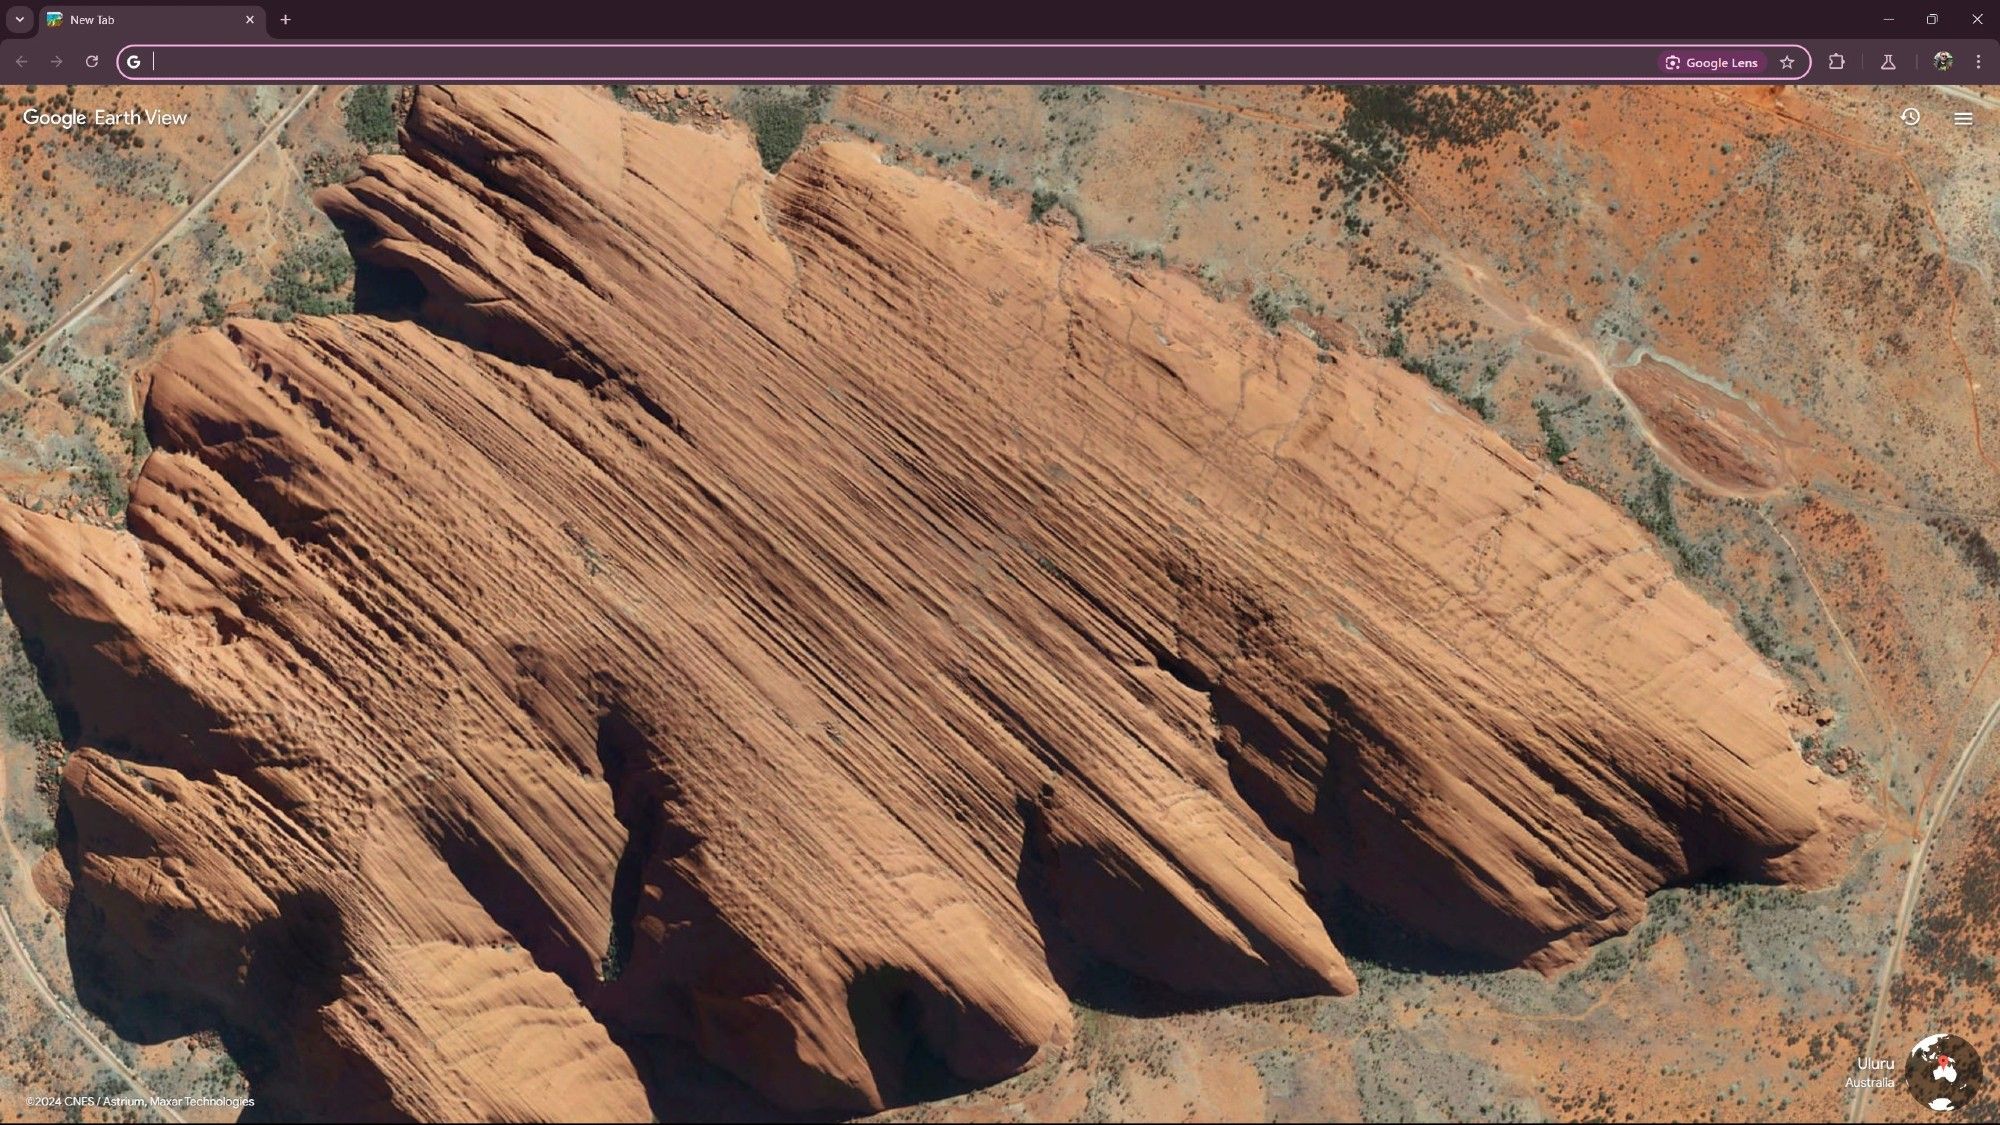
(818, 619)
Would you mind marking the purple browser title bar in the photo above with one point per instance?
(902, 61)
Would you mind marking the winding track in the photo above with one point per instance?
(83, 308)
(1945, 797)
(1947, 791)
(117, 277)
(1912, 890)
(54, 1003)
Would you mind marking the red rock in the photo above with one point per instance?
(866, 606)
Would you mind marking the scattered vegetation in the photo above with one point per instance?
(1761, 629)
(779, 118)
(371, 115)
(212, 308)
(1269, 307)
(102, 481)
(1953, 940)
(1397, 347)
(1972, 546)
(1274, 306)
(1553, 442)
(1653, 507)
(30, 718)
(313, 279)
(1383, 125)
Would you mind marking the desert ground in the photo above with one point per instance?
(1763, 322)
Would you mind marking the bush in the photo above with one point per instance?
(311, 280)
(1383, 124)
(371, 115)
(1270, 308)
(611, 966)
(779, 117)
(1654, 509)
(1556, 445)
(780, 126)
(29, 716)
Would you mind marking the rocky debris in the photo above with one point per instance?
(816, 619)
(51, 881)
(680, 103)
(49, 754)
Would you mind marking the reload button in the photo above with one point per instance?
(1701, 62)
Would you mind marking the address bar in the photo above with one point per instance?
(963, 62)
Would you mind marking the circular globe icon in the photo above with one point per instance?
(1943, 1073)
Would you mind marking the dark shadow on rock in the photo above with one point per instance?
(1088, 979)
(507, 896)
(893, 1012)
(639, 789)
(391, 283)
(683, 1086)
(380, 290)
(156, 976)
(1345, 848)
(637, 990)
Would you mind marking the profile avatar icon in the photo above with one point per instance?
(1942, 60)
(1943, 1072)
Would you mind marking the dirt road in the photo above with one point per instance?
(117, 277)
(32, 973)
(83, 308)
(1912, 890)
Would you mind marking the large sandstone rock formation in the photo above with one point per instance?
(815, 619)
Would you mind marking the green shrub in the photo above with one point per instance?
(611, 966)
(1553, 442)
(780, 126)
(1270, 308)
(371, 115)
(311, 280)
(1654, 509)
(1383, 124)
(29, 716)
